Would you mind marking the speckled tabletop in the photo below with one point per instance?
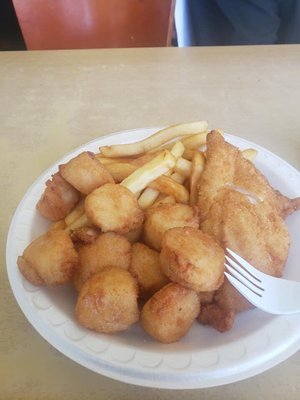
(52, 102)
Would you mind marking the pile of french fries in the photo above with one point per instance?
(167, 165)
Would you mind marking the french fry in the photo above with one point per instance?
(137, 194)
(144, 158)
(191, 143)
(195, 141)
(75, 213)
(149, 195)
(111, 160)
(135, 160)
(158, 166)
(147, 198)
(183, 167)
(188, 154)
(120, 171)
(177, 177)
(164, 199)
(78, 223)
(177, 149)
(249, 154)
(121, 168)
(198, 163)
(167, 185)
(155, 140)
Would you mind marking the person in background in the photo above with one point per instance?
(10, 34)
(240, 22)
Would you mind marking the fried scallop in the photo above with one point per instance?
(165, 216)
(51, 259)
(84, 234)
(107, 301)
(108, 250)
(169, 314)
(85, 172)
(145, 267)
(114, 208)
(58, 199)
(192, 258)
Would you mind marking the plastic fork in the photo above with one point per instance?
(273, 295)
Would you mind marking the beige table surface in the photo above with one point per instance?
(51, 102)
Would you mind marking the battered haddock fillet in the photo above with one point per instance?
(240, 209)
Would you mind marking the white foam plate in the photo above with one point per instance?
(203, 358)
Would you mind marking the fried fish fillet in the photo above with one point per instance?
(240, 209)
(226, 169)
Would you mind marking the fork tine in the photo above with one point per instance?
(243, 272)
(273, 295)
(247, 267)
(246, 282)
(247, 293)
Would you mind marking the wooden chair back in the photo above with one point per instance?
(75, 24)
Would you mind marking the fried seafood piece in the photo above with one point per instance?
(192, 258)
(85, 234)
(58, 199)
(85, 172)
(219, 318)
(258, 234)
(240, 209)
(114, 208)
(169, 314)
(255, 231)
(108, 250)
(206, 297)
(227, 169)
(162, 217)
(107, 301)
(51, 259)
(145, 267)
